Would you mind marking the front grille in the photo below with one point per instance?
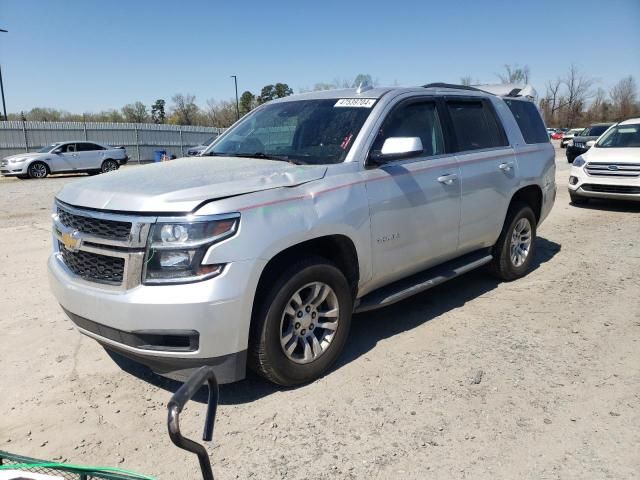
(111, 229)
(613, 169)
(92, 266)
(579, 144)
(626, 189)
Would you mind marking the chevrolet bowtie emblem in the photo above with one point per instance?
(71, 240)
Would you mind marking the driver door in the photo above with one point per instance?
(414, 203)
(65, 158)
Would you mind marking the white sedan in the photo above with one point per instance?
(611, 168)
(64, 157)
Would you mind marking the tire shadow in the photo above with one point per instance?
(367, 329)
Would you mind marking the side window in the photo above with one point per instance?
(414, 120)
(88, 147)
(529, 121)
(475, 125)
(69, 147)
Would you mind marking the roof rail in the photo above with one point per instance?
(451, 85)
(501, 90)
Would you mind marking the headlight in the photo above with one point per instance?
(579, 161)
(176, 249)
(17, 160)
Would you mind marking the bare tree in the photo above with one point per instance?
(135, 113)
(578, 88)
(220, 114)
(623, 96)
(185, 110)
(466, 80)
(514, 74)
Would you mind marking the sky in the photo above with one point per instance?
(91, 55)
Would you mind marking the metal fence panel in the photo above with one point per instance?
(140, 139)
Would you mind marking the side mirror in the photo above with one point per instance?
(395, 148)
(57, 151)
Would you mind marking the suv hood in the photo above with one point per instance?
(613, 155)
(181, 185)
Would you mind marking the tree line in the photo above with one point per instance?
(570, 100)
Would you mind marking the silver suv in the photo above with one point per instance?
(309, 209)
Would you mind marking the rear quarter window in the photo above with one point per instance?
(529, 121)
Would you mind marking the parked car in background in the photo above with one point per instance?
(566, 139)
(551, 131)
(64, 157)
(611, 169)
(197, 149)
(557, 135)
(258, 257)
(581, 143)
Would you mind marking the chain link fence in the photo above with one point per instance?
(140, 139)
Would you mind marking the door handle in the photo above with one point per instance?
(448, 179)
(506, 167)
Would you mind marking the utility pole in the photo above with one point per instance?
(235, 79)
(4, 105)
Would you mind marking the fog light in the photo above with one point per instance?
(573, 180)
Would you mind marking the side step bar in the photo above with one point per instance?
(422, 281)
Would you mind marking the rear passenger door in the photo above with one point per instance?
(89, 155)
(488, 170)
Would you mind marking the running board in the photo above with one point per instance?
(422, 281)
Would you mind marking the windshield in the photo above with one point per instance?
(304, 131)
(48, 148)
(621, 136)
(594, 131)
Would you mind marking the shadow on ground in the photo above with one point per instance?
(610, 205)
(367, 329)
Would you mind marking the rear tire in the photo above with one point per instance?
(38, 170)
(109, 166)
(302, 323)
(577, 199)
(515, 248)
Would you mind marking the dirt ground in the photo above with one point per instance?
(534, 379)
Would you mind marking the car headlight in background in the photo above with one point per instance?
(176, 248)
(17, 160)
(579, 161)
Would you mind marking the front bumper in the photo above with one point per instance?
(156, 325)
(592, 186)
(13, 169)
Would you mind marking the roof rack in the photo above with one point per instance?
(451, 85)
(501, 90)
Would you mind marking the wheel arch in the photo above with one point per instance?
(532, 196)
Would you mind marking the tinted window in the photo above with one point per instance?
(475, 125)
(621, 136)
(88, 147)
(598, 130)
(529, 121)
(414, 120)
(69, 147)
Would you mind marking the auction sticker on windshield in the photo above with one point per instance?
(356, 102)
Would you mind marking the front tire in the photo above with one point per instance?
(109, 166)
(302, 323)
(515, 248)
(38, 170)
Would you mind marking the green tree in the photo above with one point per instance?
(135, 113)
(247, 102)
(270, 92)
(157, 111)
